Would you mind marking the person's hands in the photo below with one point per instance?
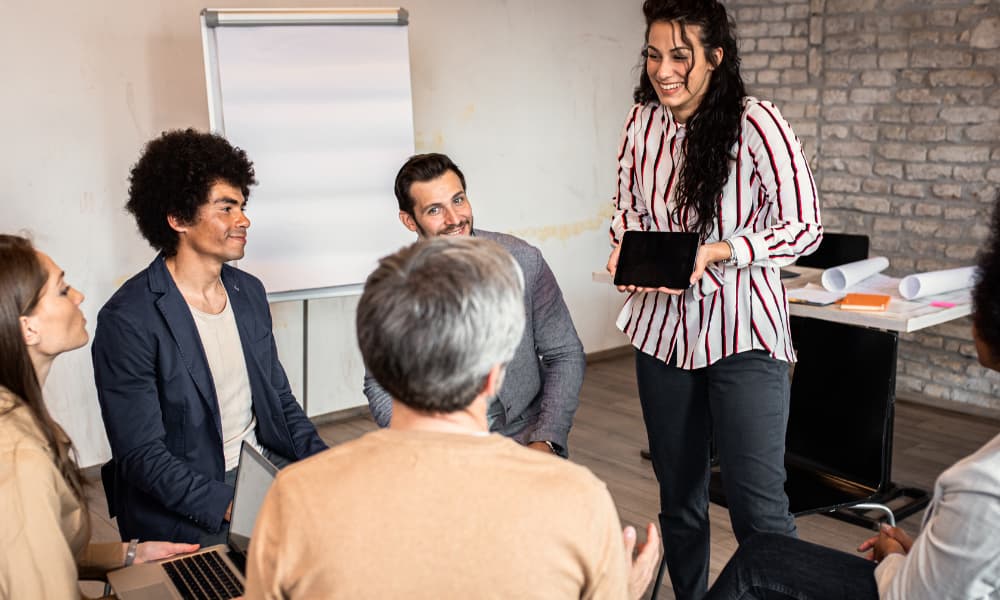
(644, 564)
(148, 551)
(890, 540)
(613, 260)
(541, 447)
(708, 254)
(229, 512)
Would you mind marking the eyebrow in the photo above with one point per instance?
(228, 200)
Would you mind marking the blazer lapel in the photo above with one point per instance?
(243, 312)
(179, 321)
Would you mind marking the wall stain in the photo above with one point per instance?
(566, 231)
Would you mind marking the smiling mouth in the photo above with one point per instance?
(670, 87)
(456, 230)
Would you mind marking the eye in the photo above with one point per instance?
(459, 200)
(651, 54)
(433, 210)
(682, 56)
(64, 291)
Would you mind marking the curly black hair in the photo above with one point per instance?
(986, 294)
(173, 177)
(714, 127)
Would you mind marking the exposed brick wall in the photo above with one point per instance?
(897, 104)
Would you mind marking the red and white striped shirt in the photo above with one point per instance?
(769, 211)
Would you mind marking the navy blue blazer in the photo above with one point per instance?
(165, 480)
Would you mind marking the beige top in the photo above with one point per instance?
(221, 340)
(44, 531)
(406, 514)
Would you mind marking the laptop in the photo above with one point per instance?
(657, 259)
(216, 572)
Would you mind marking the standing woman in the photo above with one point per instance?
(44, 524)
(700, 155)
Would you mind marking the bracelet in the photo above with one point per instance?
(133, 545)
(732, 261)
(552, 447)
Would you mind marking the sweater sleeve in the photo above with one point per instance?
(37, 561)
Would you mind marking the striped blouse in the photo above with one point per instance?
(769, 211)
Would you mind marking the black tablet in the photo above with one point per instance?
(657, 259)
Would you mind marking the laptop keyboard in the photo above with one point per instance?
(203, 576)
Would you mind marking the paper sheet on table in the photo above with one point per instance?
(813, 294)
(877, 284)
(838, 279)
(919, 285)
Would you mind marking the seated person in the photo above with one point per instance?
(435, 506)
(542, 387)
(956, 555)
(184, 358)
(44, 523)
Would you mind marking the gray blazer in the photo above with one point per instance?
(541, 390)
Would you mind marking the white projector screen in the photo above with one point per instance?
(321, 102)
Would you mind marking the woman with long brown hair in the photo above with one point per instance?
(698, 154)
(44, 527)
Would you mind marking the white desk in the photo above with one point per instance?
(900, 316)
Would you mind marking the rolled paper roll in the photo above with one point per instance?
(838, 279)
(919, 285)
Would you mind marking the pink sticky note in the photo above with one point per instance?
(942, 304)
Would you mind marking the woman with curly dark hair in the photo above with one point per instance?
(956, 555)
(698, 154)
(45, 529)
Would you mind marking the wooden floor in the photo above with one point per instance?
(608, 434)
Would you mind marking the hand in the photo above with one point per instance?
(541, 447)
(148, 551)
(642, 567)
(229, 512)
(890, 540)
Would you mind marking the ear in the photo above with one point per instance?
(494, 380)
(177, 224)
(408, 221)
(717, 55)
(29, 331)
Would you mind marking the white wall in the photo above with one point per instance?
(528, 97)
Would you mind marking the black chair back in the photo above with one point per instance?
(836, 249)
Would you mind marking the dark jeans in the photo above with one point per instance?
(222, 536)
(743, 399)
(776, 567)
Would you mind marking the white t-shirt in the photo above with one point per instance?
(221, 340)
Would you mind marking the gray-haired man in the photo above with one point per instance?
(541, 392)
(434, 506)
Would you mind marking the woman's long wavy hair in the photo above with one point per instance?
(713, 129)
(22, 282)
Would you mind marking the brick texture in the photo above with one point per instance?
(897, 105)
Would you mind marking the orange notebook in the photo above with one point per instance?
(874, 302)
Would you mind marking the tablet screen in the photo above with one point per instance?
(657, 259)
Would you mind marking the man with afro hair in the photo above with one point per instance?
(184, 357)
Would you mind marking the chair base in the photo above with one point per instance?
(812, 492)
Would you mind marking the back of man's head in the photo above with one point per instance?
(436, 317)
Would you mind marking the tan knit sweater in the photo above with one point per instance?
(405, 514)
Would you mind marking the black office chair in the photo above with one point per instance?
(836, 249)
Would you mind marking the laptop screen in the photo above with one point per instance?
(253, 479)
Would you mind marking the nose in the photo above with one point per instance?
(243, 221)
(450, 216)
(78, 297)
(665, 69)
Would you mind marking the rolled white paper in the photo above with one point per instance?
(838, 279)
(919, 285)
